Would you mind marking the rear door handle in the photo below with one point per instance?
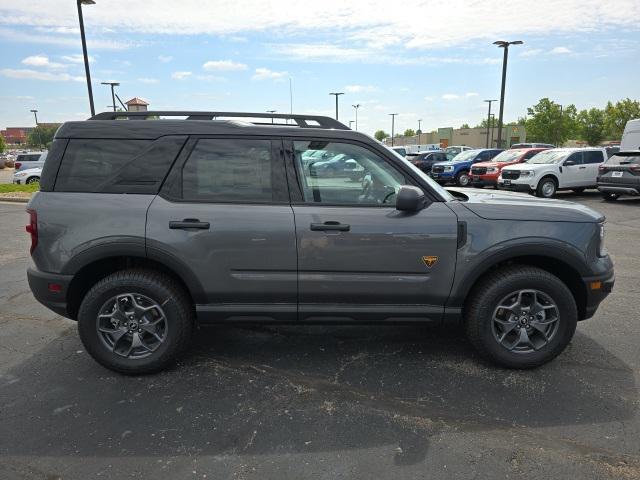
(581, 168)
(188, 223)
(331, 226)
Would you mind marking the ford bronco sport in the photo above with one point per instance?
(147, 226)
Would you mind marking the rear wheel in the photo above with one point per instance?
(547, 187)
(610, 197)
(463, 179)
(520, 317)
(135, 321)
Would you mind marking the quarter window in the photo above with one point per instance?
(229, 170)
(345, 174)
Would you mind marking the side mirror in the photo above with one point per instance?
(568, 163)
(410, 199)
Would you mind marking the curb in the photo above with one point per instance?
(15, 199)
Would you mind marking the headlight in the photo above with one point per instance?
(448, 168)
(526, 173)
(20, 174)
(491, 169)
(602, 251)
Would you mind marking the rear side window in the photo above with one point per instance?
(117, 166)
(593, 157)
(229, 170)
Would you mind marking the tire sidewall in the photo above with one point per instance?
(563, 299)
(87, 325)
(541, 189)
(459, 177)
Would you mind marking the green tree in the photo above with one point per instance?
(380, 135)
(617, 116)
(484, 123)
(465, 125)
(409, 132)
(41, 136)
(550, 123)
(3, 144)
(591, 125)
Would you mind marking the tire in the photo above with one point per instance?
(610, 197)
(578, 190)
(139, 287)
(547, 187)
(494, 290)
(31, 180)
(463, 179)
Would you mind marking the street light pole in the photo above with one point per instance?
(505, 46)
(84, 51)
(559, 134)
(113, 95)
(493, 122)
(337, 94)
(393, 126)
(350, 123)
(35, 114)
(356, 106)
(488, 120)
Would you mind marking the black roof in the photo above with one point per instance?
(151, 125)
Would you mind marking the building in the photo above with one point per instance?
(16, 135)
(137, 105)
(472, 137)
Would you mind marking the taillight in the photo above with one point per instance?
(32, 228)
(602, 169)
(17, 165)
(635, 168)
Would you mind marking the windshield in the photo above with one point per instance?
(426, 178)
(550, 156)
(464, 156)
(508, 156)
(621, 159)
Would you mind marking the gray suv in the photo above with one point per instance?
(147, 227)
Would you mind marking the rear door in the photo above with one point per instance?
(358, 257)
(224, 218)
(592, 159)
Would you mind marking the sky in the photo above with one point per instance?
(431, 60)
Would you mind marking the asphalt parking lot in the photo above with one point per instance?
(322, 402)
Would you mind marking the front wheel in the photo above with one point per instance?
(32, 180)
(135, 321)
(463, 179)
(546, 188)
(520, 317)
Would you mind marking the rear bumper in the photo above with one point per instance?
(619, 188)
(598, 287)
(50, 289)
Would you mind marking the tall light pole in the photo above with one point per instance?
(393, 126)
(350, 123)
(489, 120)
(356, 106)
(337, 94)
(84, 51)
(559, 134)
(493, 122)
(419, 128)
(35, 115)
(113, 95)
(505, 46)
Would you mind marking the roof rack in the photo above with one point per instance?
(302, 121)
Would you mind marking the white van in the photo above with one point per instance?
(631, 136)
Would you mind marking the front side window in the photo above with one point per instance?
(229, 170)
(345, 174)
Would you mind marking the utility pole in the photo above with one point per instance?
(393, 126)
(489, 121)
(337, 94)
(505, 57)
(356, 106)
(113, 95)
(84, 51)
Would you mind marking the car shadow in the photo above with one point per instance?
(289, 389)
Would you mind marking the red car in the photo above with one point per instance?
(486, 173)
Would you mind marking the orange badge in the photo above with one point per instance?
(430, 260)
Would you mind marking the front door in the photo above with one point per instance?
(224, 218)
(572, 174)
(359, 257)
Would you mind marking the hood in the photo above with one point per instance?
(501, 205)
(529, 166)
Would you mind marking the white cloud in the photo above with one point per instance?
(180, 75)
(41, 61)
(27, 74)
(471, 94)
(450, 96)
(530, 52)
(24, 36)
(77, 58)
(559, 50)
(223, 66)
(165, 58)
(360, 88)
(266, 74)
(149, 81)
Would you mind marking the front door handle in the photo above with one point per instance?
(331, 226)
(188, 223)
(581, 168)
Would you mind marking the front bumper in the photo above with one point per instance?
(443, 177)
(50, 289)
(482, 181)
(17, 181)
(515, 187)
(597, 287)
